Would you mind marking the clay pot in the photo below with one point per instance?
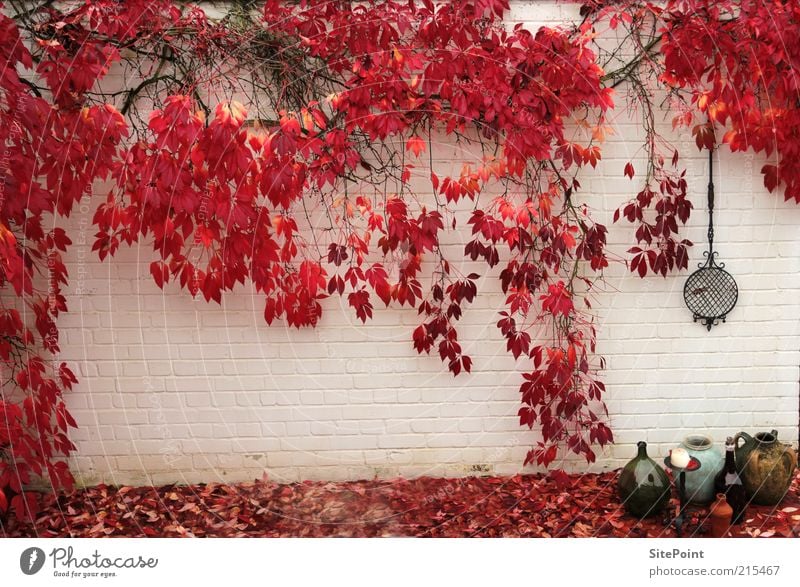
(765, 465)
(700, 483)
(721, 513)
(643, 486)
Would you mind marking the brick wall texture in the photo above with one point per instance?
(176, 390)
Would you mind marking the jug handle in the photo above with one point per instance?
(789, 452)
(747, 439)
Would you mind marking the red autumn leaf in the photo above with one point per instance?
(359, 300)
(337, 254)
(160, 272)
(704, 136)
(770, 173)
(629, 172)
(557, 300)
(312, 277)
(416, 145)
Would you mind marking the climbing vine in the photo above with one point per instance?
(290, 145)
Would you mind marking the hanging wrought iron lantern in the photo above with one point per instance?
(710, 292)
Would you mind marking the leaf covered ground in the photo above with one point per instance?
(520, 506)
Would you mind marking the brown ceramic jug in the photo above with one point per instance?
(721, 513)
(765, 465)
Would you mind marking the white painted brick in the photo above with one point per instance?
(106, 447)
(121, 416)
(245, 398)
(200, 399)
(298, 428)
(398, 427)
(355, 441)
(422, 425)
(403, 441)
(223, 399)
(248, 430)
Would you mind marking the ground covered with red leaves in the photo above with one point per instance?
(520, 506)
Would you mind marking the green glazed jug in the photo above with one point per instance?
(765, 465)
(643, 485)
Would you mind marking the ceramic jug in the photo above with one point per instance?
(765, 465)
(721, 515)
(700, 483)
(643, 485)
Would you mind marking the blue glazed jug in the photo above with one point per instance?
(700, 483)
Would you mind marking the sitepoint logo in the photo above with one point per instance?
(31, 560)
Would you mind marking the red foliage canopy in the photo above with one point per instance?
(332, 88)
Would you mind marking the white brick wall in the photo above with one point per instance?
(178, 390)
